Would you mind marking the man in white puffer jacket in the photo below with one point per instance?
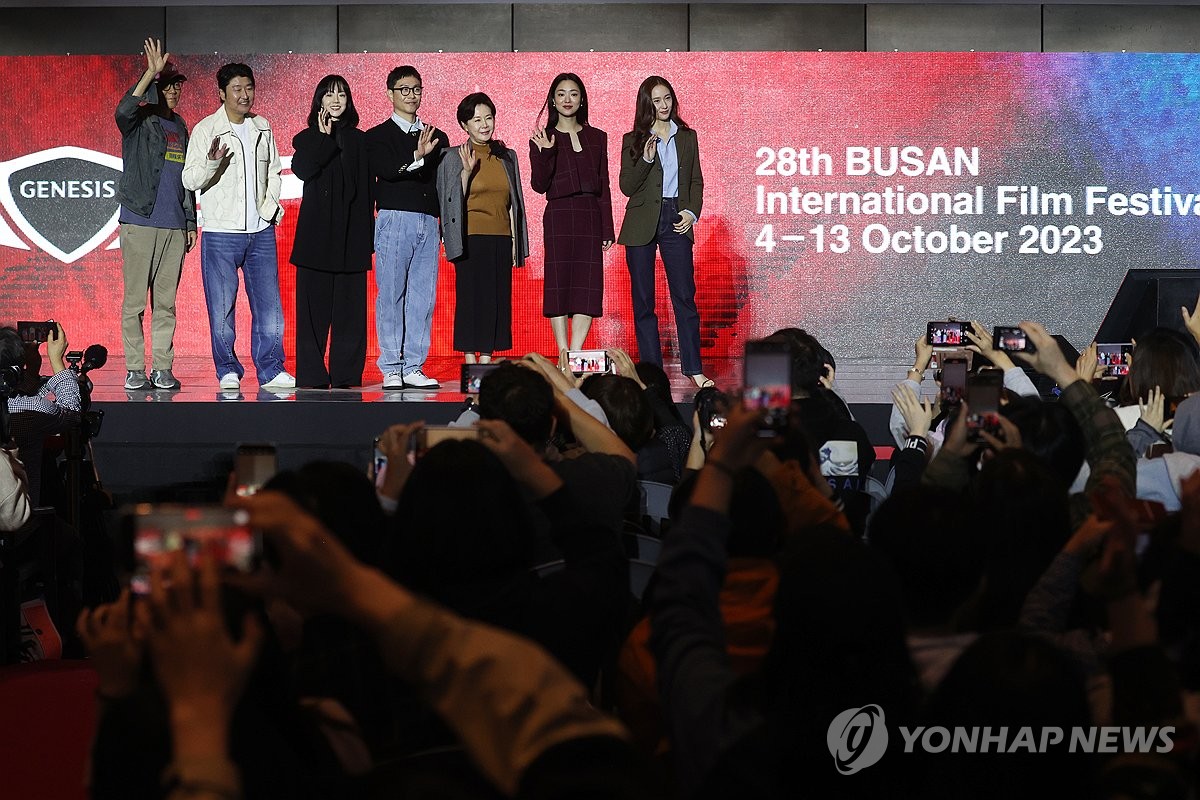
(233, 163)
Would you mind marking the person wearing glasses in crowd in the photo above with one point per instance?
(332, 250)
(483, 225)
(158, 216)
(660, 174)
(569, 163)
(404, 154)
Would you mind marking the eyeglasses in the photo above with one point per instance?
(173, 87)
(405, 91)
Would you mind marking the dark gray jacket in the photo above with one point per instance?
(143, 148)
(454, 205)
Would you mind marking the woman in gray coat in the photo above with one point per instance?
(483, 227)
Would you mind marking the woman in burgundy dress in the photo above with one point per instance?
(569, 160)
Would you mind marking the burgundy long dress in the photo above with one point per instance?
(577, 221)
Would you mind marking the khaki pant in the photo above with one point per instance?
(153, 260)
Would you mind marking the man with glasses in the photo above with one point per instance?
(158, 216)
(404, 153)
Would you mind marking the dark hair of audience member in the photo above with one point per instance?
(12, 349)
(808, 360)
(628, 411)
(461, 520)
(839, 644)
(657, 381)
(1167, 359)
(927, 535)
(756, 518)
(522, 398)
(1013, 680)
(1050, 432)
(1023, 519)
(343, 498)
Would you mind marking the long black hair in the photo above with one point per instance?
(330, 83)
(552, 112)
(644, 116)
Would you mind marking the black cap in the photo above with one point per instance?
(170, 75)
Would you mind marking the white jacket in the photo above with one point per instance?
(220, 184)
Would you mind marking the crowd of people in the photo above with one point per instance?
(397, 642)
(386, 199)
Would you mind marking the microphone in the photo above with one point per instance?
(94, 357)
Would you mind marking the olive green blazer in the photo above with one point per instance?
(642, 183)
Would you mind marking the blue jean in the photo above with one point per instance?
(676, 250)
(406, 270)
(221, 255)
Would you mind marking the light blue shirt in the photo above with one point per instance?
(668, 156)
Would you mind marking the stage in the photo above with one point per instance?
(164, 445)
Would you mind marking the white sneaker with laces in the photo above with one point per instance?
(419, 380)
(281, 381)
(231, 382)
(393, 380)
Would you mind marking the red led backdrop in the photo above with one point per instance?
(779, 134)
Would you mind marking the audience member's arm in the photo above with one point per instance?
(949, 468)
(916, 374)
(506, 698)
(1147, 431)
(201, 672)
(64, 384)
(14, 492)
(687, 635)
(395, 443)
(595, 436)
(565, 386)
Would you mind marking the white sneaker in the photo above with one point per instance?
(393, 380)
(281, 381)
(419, 380)
(231, 382)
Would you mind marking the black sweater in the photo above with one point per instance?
(390, 152)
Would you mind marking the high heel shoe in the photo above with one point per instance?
(701, 380)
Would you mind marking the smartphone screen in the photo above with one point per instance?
(35, 332)
(587, 362)
(983, 395)
(1116, 358)
(1011, 339)
(768, 383)
(159, 530)
(947, 333)
(253, 466)
(432, 435)
(471, 377)
(954, 381)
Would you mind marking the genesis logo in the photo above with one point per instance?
(857, 738)
(64, 200)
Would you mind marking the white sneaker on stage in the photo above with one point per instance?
(281, 381)
(393, 381)
(231, 382)
(419, 380)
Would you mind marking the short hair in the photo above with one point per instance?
(230, 71)
(1165, 358)
(349, 118)
(808, 360)
(466, 108)
(628, 411)
(406, 71)
(1050, 432)
(522, 398)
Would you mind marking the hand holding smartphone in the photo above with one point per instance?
(588, 362)
(161, 529)
(253, 466)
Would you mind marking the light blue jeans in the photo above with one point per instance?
(221, 255)
(406, 270)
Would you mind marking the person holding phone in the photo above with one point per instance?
(660, 174)
(483, 226)
(569, 163)
(334, 240)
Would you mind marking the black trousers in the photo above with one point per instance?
(331, 308)
(483, 296)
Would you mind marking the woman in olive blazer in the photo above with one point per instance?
(660, 174)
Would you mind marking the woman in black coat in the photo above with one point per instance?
(334, 240)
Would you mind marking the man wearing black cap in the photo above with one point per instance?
(158, 216)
